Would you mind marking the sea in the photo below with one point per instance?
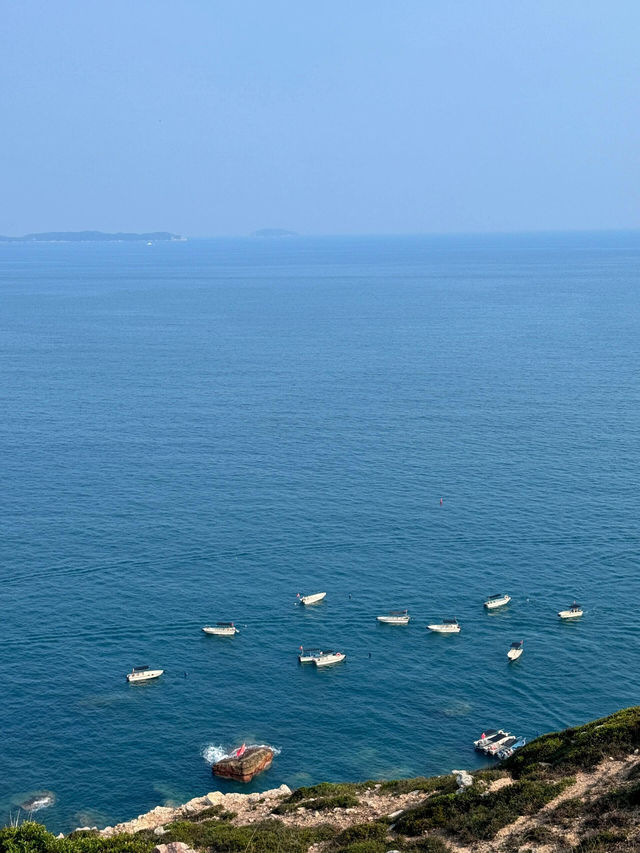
(198, 431)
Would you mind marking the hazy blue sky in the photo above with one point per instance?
(357, 116)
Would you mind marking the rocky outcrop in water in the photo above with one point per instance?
(244, 767)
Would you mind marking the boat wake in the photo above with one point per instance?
(214, 752)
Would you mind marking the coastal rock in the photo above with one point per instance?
(173, 847)
(244, 767)
(464, 780)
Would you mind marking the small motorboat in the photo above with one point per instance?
(489, 737)
(447, 626)
(506, 751)
(311, 599)
(329, 658)
(221, 629)
(574, 612)
(497, 601)
(143, 673)
(395, 617)
(494, 748)
(516, 650)
(309, 655)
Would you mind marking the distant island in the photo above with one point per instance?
(274, 232)
(92, 237)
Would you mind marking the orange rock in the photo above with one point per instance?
(254, 760)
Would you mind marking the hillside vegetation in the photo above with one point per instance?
(574, 791)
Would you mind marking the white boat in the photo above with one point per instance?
(143, 673)
(329, 658)
(497, 601)
(395, 617)
(221, 629)
(311, 599)
(574, 612)
(447, 626)
(494, 748)
(516, 650)
(309, 655)
(506, 750)
(489, 736)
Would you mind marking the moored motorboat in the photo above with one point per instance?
(143, 673)
(506, 751)
(221, 629)
(447, 626)
(494, 748)
(309, 655)
(516, 650)
(497, 601)
(395, 617)
(329, 658)
(311, 599)
(489, 737)
(574, 612)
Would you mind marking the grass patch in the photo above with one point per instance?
(582, 747)
(213, 813)
(326, 795)
(605, 842)
(31, 837)
(429, 844)
(267, 836)
(319, 804)
(491, 774)
(444, 784)
(531, 838)
(473, 816)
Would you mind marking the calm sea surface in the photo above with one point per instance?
(197, 431)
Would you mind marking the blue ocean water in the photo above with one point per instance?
(198, 431)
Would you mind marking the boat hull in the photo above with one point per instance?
(220, 632)
(312, 599)
(394, 620)
(444, 629)
(329, 660)
(498, 602)
(514, 654)
(139, 677)
(570, 614)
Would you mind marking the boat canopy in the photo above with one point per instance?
(311, 651)
(225, 624)
(140, 668)
(449, 621)
(398, 612)
(498, 595)
(517, 645)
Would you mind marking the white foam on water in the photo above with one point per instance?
(215, 752)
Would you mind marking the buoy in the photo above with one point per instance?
(440, 501)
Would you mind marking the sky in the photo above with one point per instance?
(208, 117)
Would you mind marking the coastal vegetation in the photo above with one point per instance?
(574, 791)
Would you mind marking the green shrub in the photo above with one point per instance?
(360, 832)
(368, 846)
(430, 844)
(604, 842)
(214, 812)
(339, 801)
(583, 746)
(267, 836)
(31, 837)
(473, 816)
(444, 784)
